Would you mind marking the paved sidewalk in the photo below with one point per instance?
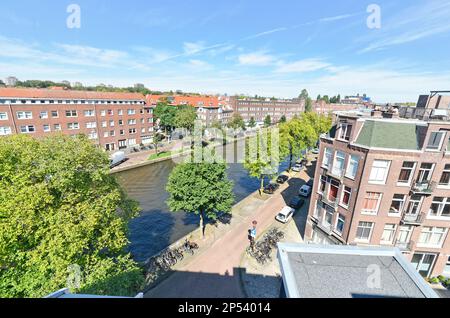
(214, 273)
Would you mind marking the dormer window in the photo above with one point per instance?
(345, 132)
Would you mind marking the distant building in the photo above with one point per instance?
(327, 271)
(358, 99)
(383, 178)
(11, 81)
(259, 109)
(322, 108)
(111, 120)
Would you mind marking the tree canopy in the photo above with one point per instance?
(61, 208)
(166, 114)
(200, 188)
(267, 121)
(237, 122)
(185, 118)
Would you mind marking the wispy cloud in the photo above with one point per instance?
(410, 25)
(303, 66)
(256, 59)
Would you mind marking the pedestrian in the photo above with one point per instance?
(252, 235)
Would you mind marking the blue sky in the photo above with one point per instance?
(270, 48)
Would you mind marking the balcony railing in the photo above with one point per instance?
(425, 114)
(332, 203)
(424, 187)
(413, 219)
(405, 246)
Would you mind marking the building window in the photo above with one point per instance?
(55, 114)
(24, 115)
(404, 234)
(105, 134)
(104, 124)
(3, 116)
(340, 224)
(415, 202)
(5, 131)
(380, 170)
(91, 125)
(43, 115)
(346, 195)
(371, 202)
(333, 191)
(440, 207)
(27, 129)
(445, 178)
(131, 112)
(132, 131)
(322, 184)
(388, 233)
(112, 133)
(131, 121)
(447, 268)
(122, 132)
(110, 112)
(338, 164)
(71, 113)
(407, 172)
(89, 113)
(345, 132)
(103, 113)
(131, 142)
(327, 157)
(57, 127)
(425, 172)
(46, 128)
(398, 202)
(432, 236)
(352, 168)
(120, 112)
(435, 141)
(364, 231)
(111, 123)
(73, 126)
(92, 135)
(120, 122)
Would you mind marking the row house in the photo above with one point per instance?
(111, 120)
(382, 180)
(260, 109)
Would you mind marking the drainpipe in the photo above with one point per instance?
(12, 118)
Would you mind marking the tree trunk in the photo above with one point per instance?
(202, 222)
(261, 188)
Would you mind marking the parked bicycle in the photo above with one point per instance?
(190, 247)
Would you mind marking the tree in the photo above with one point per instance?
(261, 159)
(185, 118)
(166, 114)
(2, 84)
(319, 123)
(61, 210)
(202, 189)
(319, 98)
(267, 121)
(326, 99)
(252, 122)
(283, 119)
(304, 94)
(157, 138)
(295, 136)
(308, 105)
(237, 122)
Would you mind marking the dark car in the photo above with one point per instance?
(282, 179)
(296, 203)
(310, 182)
(271, 188)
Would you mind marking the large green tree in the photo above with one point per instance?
(237, 122)
(202, 189)
(166, 114)
(262, 156)
(61, 209)
(185, 118)
(267, 121)
(252, 122)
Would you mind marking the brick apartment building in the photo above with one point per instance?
(259, 109)
(384, 179)
(209, 109)
(111, 120)
(322, 108)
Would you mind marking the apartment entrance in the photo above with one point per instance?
(110, 147)
(423, 263)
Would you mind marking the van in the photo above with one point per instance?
(116, 159)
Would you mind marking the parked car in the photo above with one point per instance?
(271, 188)
(297, 203)
(302, 162)
(297, 167)
(316, 151)
(285, 215)
(117, 158)
(282, 179)
(305, 191)
(310, 182)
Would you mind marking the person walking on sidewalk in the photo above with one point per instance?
(252, 235)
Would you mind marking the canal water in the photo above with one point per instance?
(156, 227)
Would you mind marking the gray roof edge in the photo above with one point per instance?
(285, 248)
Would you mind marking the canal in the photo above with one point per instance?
(156, 227)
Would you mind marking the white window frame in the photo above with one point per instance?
(57, 127)
(399, 213)
(378, 169)
(342, 159)
(24, 115)
(350, 161)
(91, 125)
(445, 201)
(372, 212)
(445, 170)
(71, 113)
(411, 176)
(27, 130)
(5, 130)
(442, 134)
(341, 202)
(89, 113)
(43, 115)
(432, 231)
(3, 116)
(47, 130)
(340, 218)
(364, 240)
(392, 230)
(73, 126)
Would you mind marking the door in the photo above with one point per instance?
(414, 206)
(423, 263)
(425, 173)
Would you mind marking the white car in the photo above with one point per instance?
(305, 191)
(285, 215)
(297, 167)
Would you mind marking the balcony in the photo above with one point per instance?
(413, 219)
(335, 173)
(327, 228)
(424, 187)
(405, 246)
(332, 203)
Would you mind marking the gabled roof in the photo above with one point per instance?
(392, 135)
(37, 93)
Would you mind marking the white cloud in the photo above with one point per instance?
(256, 59)
(302, 66)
